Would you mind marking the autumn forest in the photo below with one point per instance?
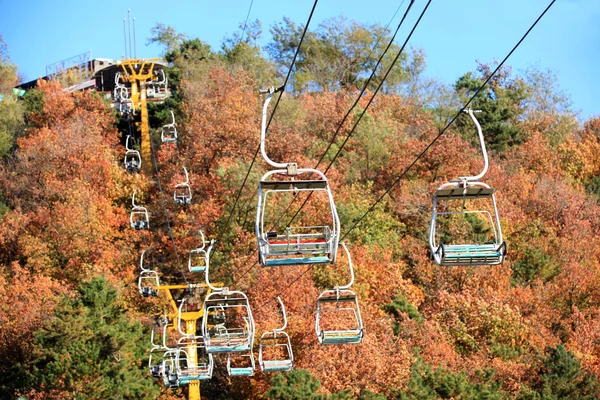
(74, 325)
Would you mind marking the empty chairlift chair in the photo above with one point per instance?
(195, 363)
(297, 245)
(133, 160)
(465, 190)
(338, 319)
(138, 218)
(275, 350)
(240, 364)
(183, 192)
(168, 133)
(227, 325)
(199, 257)
(148, 282)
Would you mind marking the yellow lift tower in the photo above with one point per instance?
(146, 84)
(191, 319)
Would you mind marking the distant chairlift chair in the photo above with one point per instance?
(156, 369)
(168, 133)
(228, 325)
(157, 89)
(133, 160)
(339, 304)
(148, 282)
(189, 369)
(279, 341)
(199, 257)
(296, 245)
(465, 189)
(121, 97)
(183, 192)
(138, 218)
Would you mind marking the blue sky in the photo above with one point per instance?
(454, 34)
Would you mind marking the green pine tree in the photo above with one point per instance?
(561, 377)
(92, 349)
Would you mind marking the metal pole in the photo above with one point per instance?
(125, 37)
(129, 29)
(134, 46)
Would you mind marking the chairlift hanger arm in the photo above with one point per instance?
(278, 330)
(206, 273)
(338, 288)
(263, 133)
(483, 149)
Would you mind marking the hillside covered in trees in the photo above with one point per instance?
(73, 324)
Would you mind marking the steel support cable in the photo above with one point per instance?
(246, 22)
(362, 114)
(162, 199)
(360, 95)
(239, 193)
(381, 36)
(341, 124)
(426, 148)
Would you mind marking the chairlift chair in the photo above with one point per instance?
(199, 257)
(235, 332)
(200, 369)
(121, 96)
(148, 282)
(169, 368)
(168, 133)
(157, 89)
(133, 159)
(240, 364)
(188, 370)
(156, 369)
(183, 192)
(298, 245)
(138, 218)
(339, 304)
(465, 189)
(279, 341)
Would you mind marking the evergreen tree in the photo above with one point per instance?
(295, 385)
(91, 349)
(443, 384)
(561, 377)
(501, 102)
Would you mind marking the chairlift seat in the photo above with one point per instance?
(241, 371)
(471, 254)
